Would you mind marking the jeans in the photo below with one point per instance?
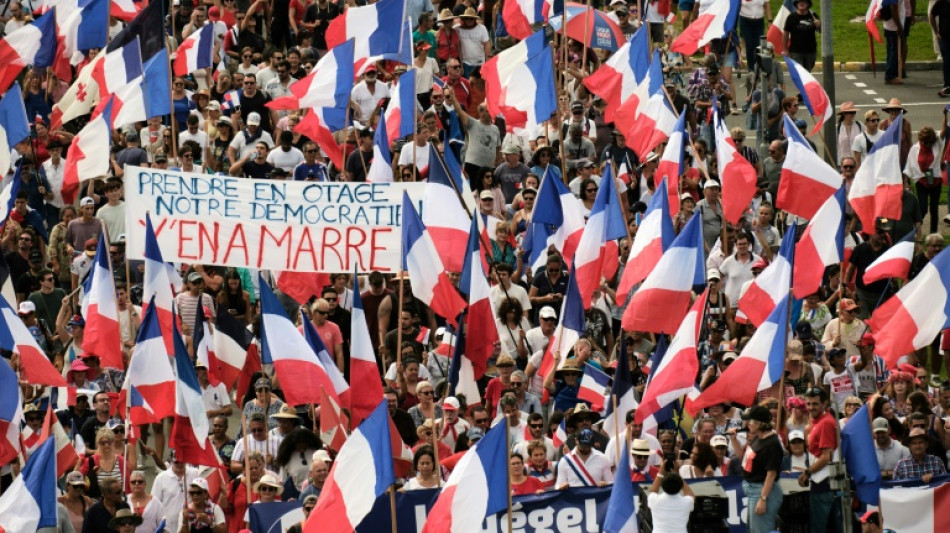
(766, 522)
(890, 68)
(929, 198)
(824, 510)
(751, 31)
(945, 56)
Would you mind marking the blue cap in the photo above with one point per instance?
(585, 437)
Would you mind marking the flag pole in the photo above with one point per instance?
(508, 468)
(587, 31)
(613, 399)
(392, 509)
(436, 439)
(247, 479)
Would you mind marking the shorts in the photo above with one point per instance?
(686, 5)
(732, 58)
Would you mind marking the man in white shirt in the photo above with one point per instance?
(862, 143)
(536, 431)
(889, 451)
(217, 402)
(286, 157)
(451, 425)
(258, 441)
(737, 268)
(170, 488)
(474, 42)
(634, 431)
(506, 289)
(367, 94)
(583, 466)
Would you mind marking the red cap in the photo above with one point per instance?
(214, 14)
(867, 340)
(760, 264)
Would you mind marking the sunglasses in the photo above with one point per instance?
(308, 508)
(198, 492)
(137, 482)
(124, 522)
(536, 426)
(847, 166)
(257, 430)
(267, 488)
(426, 393)
(481, 420)
(319, 312)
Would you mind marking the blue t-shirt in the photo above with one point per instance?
(303, 170)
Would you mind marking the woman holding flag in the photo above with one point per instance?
(760, 466)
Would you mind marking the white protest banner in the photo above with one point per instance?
(266, 224)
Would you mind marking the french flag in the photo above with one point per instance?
(150, 370)
(462, 369)
(617, 79)
(35, 366)
(663, 298)
(8, 197)
(11, 414)
(381, 167)
(446, 218)
(759, 366)
(597, 255)
(520, 15)
(814, 97)
(124, 9)
(401, 111)
(120, 75)
(14, 127)
(777, 28)
(66, 455)
(363, 367)
(33, 44)
(878, 184)
(593, 388)
(81, 25)
(362, 472)
(190, 429)
(29, 503)
(712, 23)
(820, 247)
(920, 508)
(340, 388)
(672, 164)
(481, 314)
(559, 437)
(333, 422)
(85, 150)
(157, 287)
(431, 283)
(647, 118)
(477, 487)
(893, 263)
(232, 100)
(870, 17)
(675, 375)
(737, 174)
(373, 28)
(654, 236)
(572, 324)
(912, 318)
(772, 285)
(202, 343)
(99, 307)
(557, 208)
(319, 125)
(519, 83)
(622, 390)
(231, 341)
(329, 84)
(139, 411)
(622, 507)
(806, 181)
(297, 366)
(196, 52)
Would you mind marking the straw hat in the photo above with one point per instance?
(895, 103)
(122, 515)
(446, 15)
(269, 481)
(470, 13)
(847, 107)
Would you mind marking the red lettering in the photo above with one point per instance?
(286, 236)
(355, 246)
(238, 233)
(374, 238)
(331, 244)
(161, 226)
(305, 247)
(211, 239)
(182, 239)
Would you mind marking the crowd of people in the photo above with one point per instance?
(275, 452)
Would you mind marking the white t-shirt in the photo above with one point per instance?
(841, 385)
(860, 145)
(366, 101)
(515, 292)
(596, 465)
(215, 397)
(199, 137)
(425, 74)
(734, 274)
(285, 160)
(244, 148)
(670, 511)
(472, 44)
(171, 491)
(263, 446)
(422, 158)
(752, 9)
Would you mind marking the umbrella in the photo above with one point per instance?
(596, 31)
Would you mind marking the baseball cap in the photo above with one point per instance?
(26, 307)
(86, 201)
(847, 304)
(710, 183)
(713, 273)
(796, 434)
(450, 404)
(866, 340)
(474, 434)
(729, 356)
(547, 312)
(486, 195)
(880, 424)
(77, 320)
(719, 440)
(194, 277)
(760, 264)
(254, 119)
(585, 437)
(201, 483)
(320, 455)
(75, 478)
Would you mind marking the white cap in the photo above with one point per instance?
(450, 403)
(27, 307)
(201, 483)
(86, 201)
(547, 312)
(320, 455)
(254, 119)
(711, 183)
(796, 434)
(719, 440)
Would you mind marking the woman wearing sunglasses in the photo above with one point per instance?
(268, 490)
(147, 508)
(201, 515)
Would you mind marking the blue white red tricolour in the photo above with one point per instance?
(35, 366)
(617, 79)
(813, 96)
(572, 324)
(100, 311)
(120, 74)
(715, 20)
(807, 181)
(196, 52)
(672, 163)
(597, 256)
(737, 174)
(477, 487)
(675, 375)
(662, 301)
(190, 428)
(772, 285)
(157, 287)
(374, 29)
(363, 367)
(94, 138)
(11, 414)
(319, 125)
(14, 126)
(362, 472)
(558, 209)
(29, 503)
(341, 388)
(621, 511)
(759, 366)
(124, 9)
(381, 167)
(821, 245)
(776, 31)
(894, 262)
(622, 390)
(519, 15)
(33, 44)
(330, 82)
(646, 118)
(872, 15)
(519, 83)
(654, 235)
(878, 183)
(66, 455)
(444, 215)
(912, 318)
(481, 314)
(300, 371)
(150, 370)
(593, 388)
(81, 25)
(430, 282)
(231, 341)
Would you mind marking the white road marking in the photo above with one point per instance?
(850, 77)
(870, 91)
(860, 84)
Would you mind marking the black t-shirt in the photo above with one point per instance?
(257, 104)
(16, 264)
(325, 15)
(98, 517)
(766, 455)
(861, 258)
(802, 31)
(355, 167)
(89, 431)
(941, 10)
(256, 170)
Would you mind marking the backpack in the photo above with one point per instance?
(885, 13)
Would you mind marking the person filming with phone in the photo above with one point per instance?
(670, 500)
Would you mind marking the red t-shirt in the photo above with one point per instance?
(530, 485)
(823, 434)
(493, 394)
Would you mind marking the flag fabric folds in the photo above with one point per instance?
(519, 83)
(806, 181)
(878, 183)
(860, 457)
(29, 503)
